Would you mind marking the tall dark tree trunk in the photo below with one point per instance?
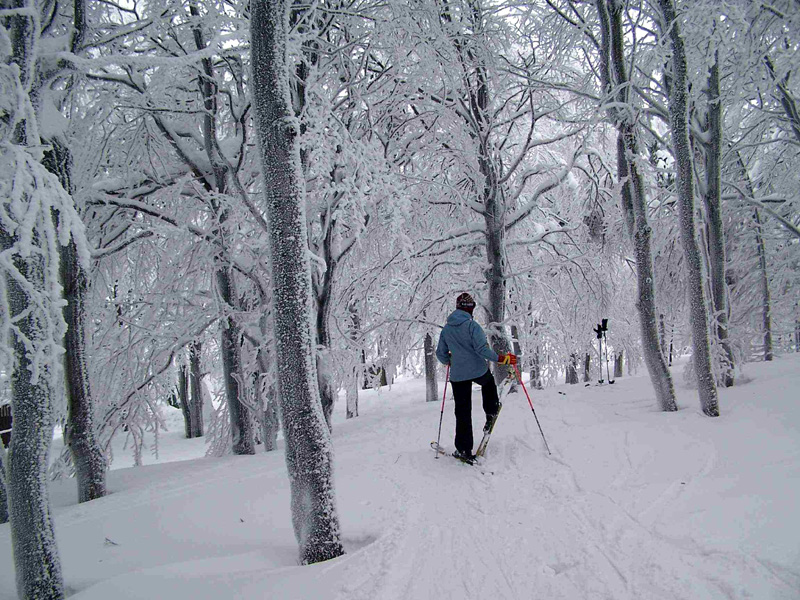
(3, 493)
(618, 365)
(79, 433)
(587, 372)
(184, 401)
(241, 421)
(572, 369)
(309, 452)
(266, 398)
(679, 128)
(536, 370)
(90, 464)
(634, 201)
(797, 336)
(431, 383)
(712, 200)
(216, 184)
(766, 303)
(36, 559)
(196, 386)
(327, 385)
(357, 372)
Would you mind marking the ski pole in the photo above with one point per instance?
(519, 377)
(441, 415)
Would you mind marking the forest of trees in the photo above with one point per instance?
(241, 208)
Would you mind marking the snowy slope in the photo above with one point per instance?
(633, 504)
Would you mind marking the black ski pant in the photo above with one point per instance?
(462, 394)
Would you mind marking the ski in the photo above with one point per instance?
(441, 450)
(487, 434)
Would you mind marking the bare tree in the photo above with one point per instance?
(634, 203)
(309, 452)
(679, 129)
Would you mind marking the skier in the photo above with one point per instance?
(463, 346)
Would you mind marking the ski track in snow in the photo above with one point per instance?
(633, 504)
(528, 526)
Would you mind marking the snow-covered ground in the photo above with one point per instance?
(632, 504)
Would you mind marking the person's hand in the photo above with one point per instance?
(507, 359)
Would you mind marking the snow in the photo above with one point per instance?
(633, 504)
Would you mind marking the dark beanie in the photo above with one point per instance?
(465, 302)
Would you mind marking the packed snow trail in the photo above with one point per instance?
(632, 504)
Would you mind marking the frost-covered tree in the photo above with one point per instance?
(37, 218)
(679, 132)
(634, 202)
(309, 452)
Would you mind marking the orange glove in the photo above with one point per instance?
(507, 359)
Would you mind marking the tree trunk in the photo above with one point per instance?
(716, 239)
(536, 370)
(324, 287)
(572, 369)
(87, 456)
(618, 365)
(79, 433)
(38, 567)
(766, 303)
(431, 383)
(231, 350)
(357, 370)
(183, 400)
(587, 373)
(634, 202)
(679, 127)
(3, 493)
(195, 382)
(36, 559)
(265, 398)
(309, 452)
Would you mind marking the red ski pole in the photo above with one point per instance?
(519, 378)
(441, 416)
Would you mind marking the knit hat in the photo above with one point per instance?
(465, 302)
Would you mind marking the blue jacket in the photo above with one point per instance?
(463, 346)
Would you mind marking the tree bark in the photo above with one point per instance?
(766, 303)
(587, 375)
(38, 568)
(572, 370)
(79, 433)
(36, 560)
(87, 456)
(243, 440)
(431, 383)
(634, 201)
(183, 400)
(3, 493)
(536, 370)
(268, 405)
(309, 452)
(231, 349)
(797, 336)
(196, 386)
(357, 369)
(679, 128)
(618, 365)
(716, 238)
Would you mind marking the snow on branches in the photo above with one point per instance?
(36, 216)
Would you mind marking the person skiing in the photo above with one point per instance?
(463, 346)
